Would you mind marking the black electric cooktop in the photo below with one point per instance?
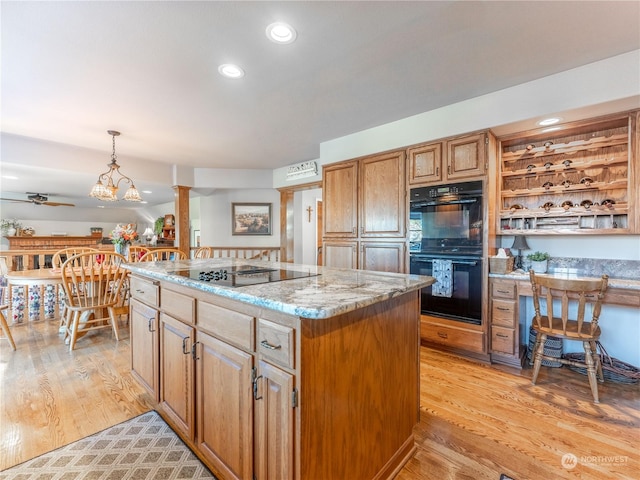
(241, 275)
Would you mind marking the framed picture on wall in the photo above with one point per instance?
(251, 219)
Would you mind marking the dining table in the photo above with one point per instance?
(34, 294)
(41, 295)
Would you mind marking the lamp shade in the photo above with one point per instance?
(148, 232)
(520, 243)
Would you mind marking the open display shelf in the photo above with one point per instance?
(575, 179)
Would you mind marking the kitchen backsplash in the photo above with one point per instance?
(589, 267)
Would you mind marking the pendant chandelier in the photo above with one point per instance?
(107, 191)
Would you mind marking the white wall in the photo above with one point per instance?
(305, 230)
(215, 218)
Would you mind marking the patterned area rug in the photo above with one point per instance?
(142, 448)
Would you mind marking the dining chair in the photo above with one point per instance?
(203, 252)
(551, 293)
(5, 326)
(57, 260)
(136, 252)
(92, 283)
(161, 254)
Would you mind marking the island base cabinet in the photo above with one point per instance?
(176, 373)
(143, 324)
(224, 386)
(359, 391)
(265, 395)
(274, 427)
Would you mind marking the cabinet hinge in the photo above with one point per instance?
(294, 398)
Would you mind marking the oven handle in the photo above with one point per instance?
(455, 262)
(435, 203)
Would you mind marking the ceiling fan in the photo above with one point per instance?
(39, 199)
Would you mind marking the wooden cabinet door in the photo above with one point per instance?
(143, 321)
(225, 406)
(340, 200)
(340, 254)
(383, 196)
(274, 424)
(176, 373)
(466, 156)
(425, 163)
(383, 257)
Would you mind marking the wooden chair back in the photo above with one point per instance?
(162, 254)
(92, 282)
(62, 255)
(555, 294)
(204, 252)
(136, 252)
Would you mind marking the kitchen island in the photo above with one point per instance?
(281, 371)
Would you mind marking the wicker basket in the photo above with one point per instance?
(500, 264)
(612, 368)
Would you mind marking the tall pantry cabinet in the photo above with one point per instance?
(364, 203)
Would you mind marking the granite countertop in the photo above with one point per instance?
(624, 283)
(332, 292)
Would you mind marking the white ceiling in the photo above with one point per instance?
(73, 70)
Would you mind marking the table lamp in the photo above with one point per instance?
(148, 233)
(519, 243)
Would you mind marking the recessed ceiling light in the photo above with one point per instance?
(280, 32)
(548, 121)
(10, 177)
(230, 71)
(147, 191)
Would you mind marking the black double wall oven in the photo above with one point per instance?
(445, 241)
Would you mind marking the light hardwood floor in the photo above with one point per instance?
(476, 421)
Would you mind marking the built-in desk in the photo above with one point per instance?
(506, 318)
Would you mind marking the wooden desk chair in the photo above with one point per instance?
(203, 252)
(57, 260)
(92, 283)
(161, 254)
(136, 252)
(546, 289)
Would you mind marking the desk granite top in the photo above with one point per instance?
(332, 292)
(521, 275)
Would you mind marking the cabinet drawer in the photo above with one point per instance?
(178, 305)
(503, 289)
(145, 290)
(228, 325)
(453, 337)
(503, 312)
(502, 340)
(276, 343)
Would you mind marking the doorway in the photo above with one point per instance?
(319, 232)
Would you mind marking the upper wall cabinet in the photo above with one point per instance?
(383, 195)
(464, 157)
(365, 197)
(577, 179)
(340, 202)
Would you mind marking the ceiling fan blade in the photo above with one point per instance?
(57, 204)
(15, 200)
